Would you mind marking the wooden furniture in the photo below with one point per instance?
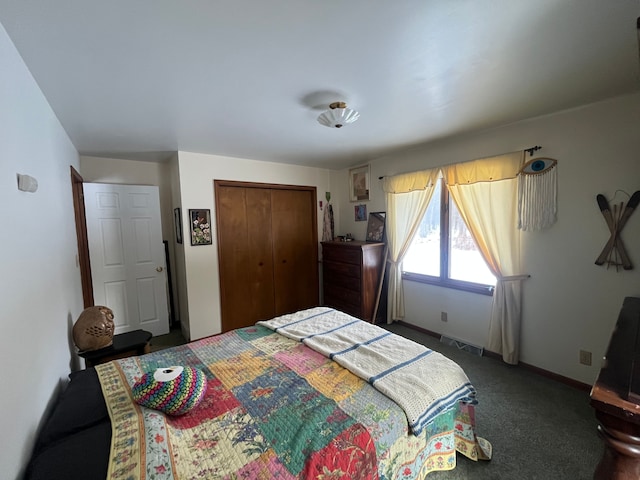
(267, 250)
(615, 396)
(124, 345)
(351, 273)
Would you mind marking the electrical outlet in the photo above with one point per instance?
(585, 357)
(443, 316)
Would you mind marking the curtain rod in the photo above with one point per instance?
(530, 150)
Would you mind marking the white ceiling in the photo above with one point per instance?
(247, 78)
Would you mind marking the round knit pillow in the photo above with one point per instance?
(173, 390)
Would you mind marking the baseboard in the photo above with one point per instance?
(540, 371)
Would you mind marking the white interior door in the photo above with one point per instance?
(127, 255)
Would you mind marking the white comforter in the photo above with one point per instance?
(423, 382)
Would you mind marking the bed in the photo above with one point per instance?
(279, 403)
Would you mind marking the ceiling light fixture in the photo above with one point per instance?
(338, 115)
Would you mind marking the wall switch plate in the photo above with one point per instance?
(585, 357)
(443, 316)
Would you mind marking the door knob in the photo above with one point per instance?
(159, 269)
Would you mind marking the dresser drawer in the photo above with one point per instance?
(335, 295)
(332, 270)
(351, 275)
(341, 254)
(331, 277)
(353, 310)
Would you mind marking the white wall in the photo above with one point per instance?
(40, 291)
(570, 304)
(197, 172)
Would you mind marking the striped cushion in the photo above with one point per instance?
(173, 390)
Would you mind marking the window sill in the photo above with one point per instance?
(449, 283)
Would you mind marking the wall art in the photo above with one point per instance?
(359, 179)
(200, 226)
(360, 213)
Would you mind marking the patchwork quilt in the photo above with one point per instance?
(274, 408)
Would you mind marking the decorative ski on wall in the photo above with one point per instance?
(614, 252)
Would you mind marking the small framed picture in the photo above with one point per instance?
(359, 184)
(360, 213)
(375, 226)
(200, 221)
(177, 220)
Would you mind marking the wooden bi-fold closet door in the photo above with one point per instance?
(267, 250)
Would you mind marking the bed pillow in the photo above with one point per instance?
(173, 390)
(80, 406)
(79, 456)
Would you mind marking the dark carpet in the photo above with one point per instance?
(539, 428)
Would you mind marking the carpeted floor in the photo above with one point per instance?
(173, 338)
(539, 428)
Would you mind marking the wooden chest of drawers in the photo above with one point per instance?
(351, 273)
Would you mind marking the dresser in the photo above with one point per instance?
(615, 396)
(351, 273)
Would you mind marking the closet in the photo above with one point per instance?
(267, 250)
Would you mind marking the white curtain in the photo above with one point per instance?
(486, 194)
(407, 197)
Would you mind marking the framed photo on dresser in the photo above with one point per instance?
(376, 226)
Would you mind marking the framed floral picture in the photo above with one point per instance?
(200, 221)
(359, 184)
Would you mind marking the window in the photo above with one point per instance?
(443, 252)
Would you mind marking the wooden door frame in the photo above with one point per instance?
(273, 186)
(81, 234)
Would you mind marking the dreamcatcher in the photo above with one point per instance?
(537, 194)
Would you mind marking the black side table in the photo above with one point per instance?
(124, 345)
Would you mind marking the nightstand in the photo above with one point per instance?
(124, 345)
